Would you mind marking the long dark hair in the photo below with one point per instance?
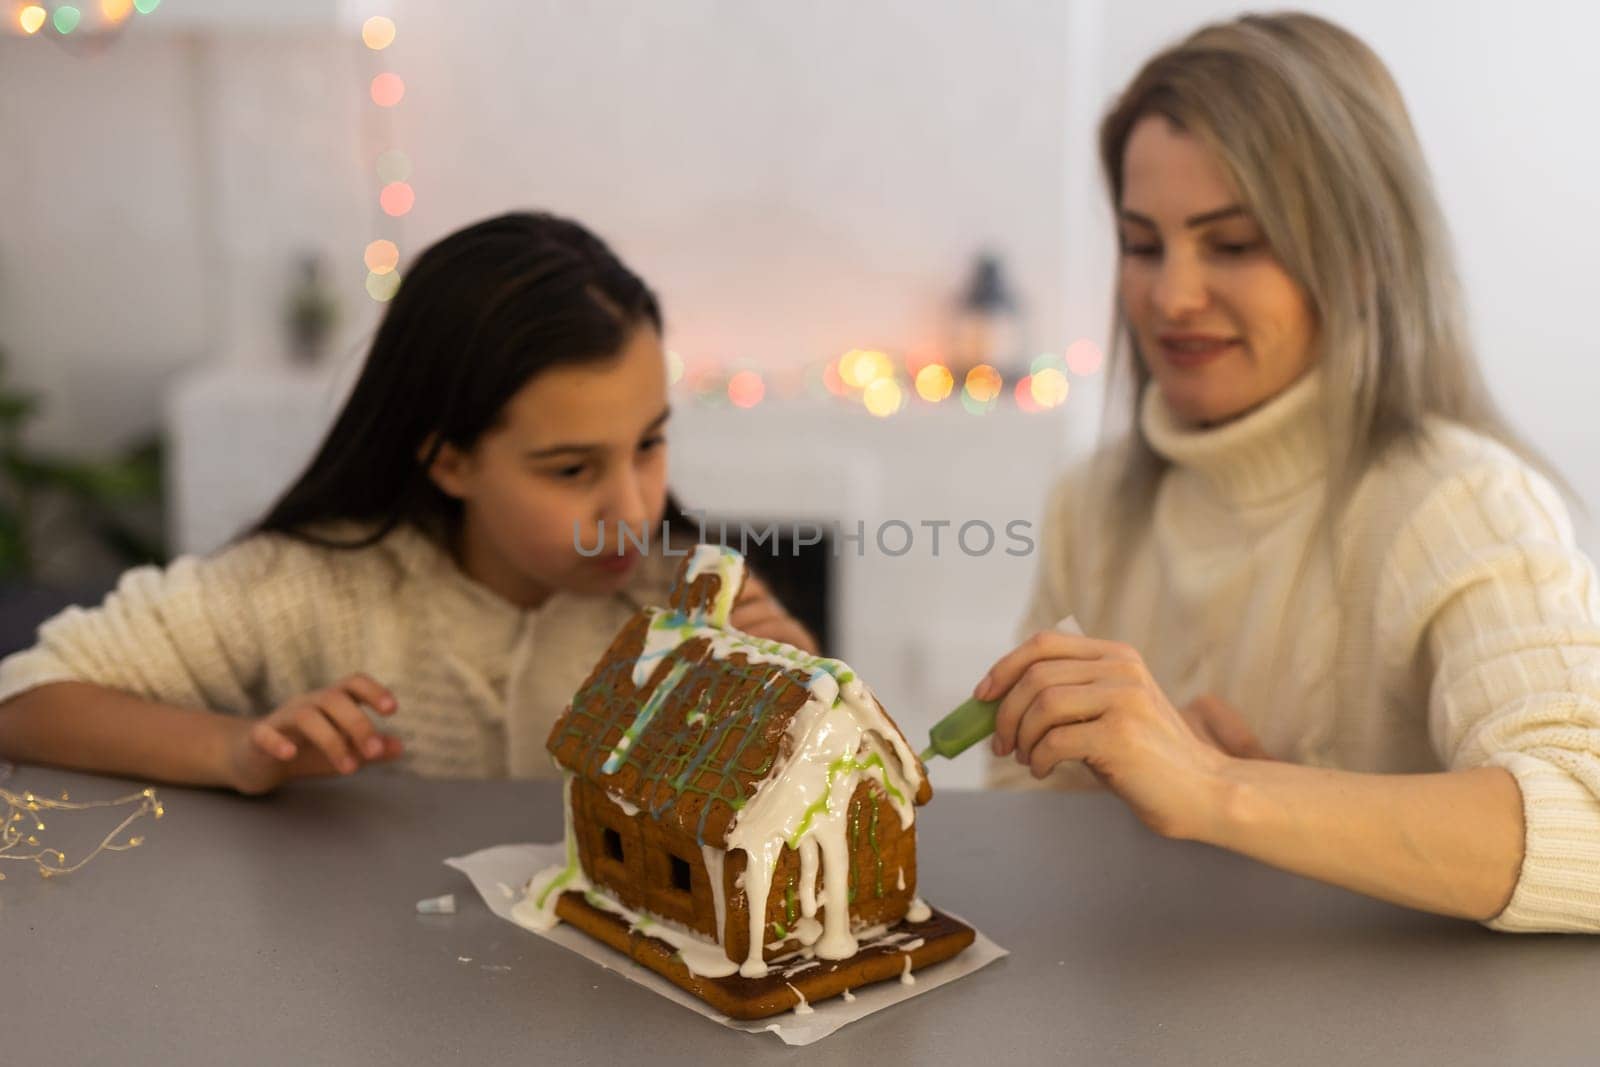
(477, 316)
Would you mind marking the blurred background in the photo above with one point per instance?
(876, 227)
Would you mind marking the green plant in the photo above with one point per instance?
(112, 498)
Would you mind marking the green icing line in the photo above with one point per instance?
(872, 836)
(840, 766)
(564, 877)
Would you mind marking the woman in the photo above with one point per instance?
(1320, 543)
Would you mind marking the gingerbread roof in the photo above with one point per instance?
(686, 718)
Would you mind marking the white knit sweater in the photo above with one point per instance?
(478, 681)
(1449, 623)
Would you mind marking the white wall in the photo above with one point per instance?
(155, 195)
(795, 178)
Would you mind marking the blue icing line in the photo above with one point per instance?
(657, 698)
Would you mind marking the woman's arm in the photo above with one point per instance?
(1449, 843)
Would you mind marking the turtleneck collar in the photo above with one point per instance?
(1266, 453)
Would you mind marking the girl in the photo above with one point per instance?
(425, 567)
(1320, 543)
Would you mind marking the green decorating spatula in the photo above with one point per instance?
(974, 719)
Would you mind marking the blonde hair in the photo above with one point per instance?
(1311, 127)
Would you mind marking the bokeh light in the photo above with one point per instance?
(746, 389)
(832, 380)
(975, 406)
(396, 198)
(1047, 361)
(860, 367)
(382, 257)
(1024, 395)
(394, 166)
(115, 11)
(1049, 388)
(934, 382)
(382, 287)
(377, 33)
(144, 7)
(31, 18)
(984, 383)
(387, 89)
(674, 367)
(919, 358)
(1084, 357)
(66, 19)
(883, 397)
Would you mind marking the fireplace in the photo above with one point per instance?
(796, 562)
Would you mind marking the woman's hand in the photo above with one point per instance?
(321, 733)
(1064, 697)
(1219, 724)
(758, 613)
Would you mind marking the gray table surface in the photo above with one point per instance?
(283, 930)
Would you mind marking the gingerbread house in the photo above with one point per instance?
(738, 799)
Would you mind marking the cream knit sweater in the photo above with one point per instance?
(478, 681)
(1452, 625)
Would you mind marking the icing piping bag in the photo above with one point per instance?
(974, 719)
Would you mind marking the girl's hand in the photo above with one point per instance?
(1065, 697)
(321, 733)
(758, 613)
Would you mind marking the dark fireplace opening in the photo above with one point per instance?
(799, 575)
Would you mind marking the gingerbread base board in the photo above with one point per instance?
(778, 992)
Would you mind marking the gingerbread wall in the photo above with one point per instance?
(653, 868)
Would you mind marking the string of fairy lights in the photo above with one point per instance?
(885, 385)
(83, 17)
(22, 822)
(880, 383)
(392, 167)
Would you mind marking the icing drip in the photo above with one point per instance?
(905, 975)
(537, 908)
(801, 1008)
(670, 629)
(810, 856)
(729, 568)
(838, 738)
(713, 859)
(703, 957)
(919, 912)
